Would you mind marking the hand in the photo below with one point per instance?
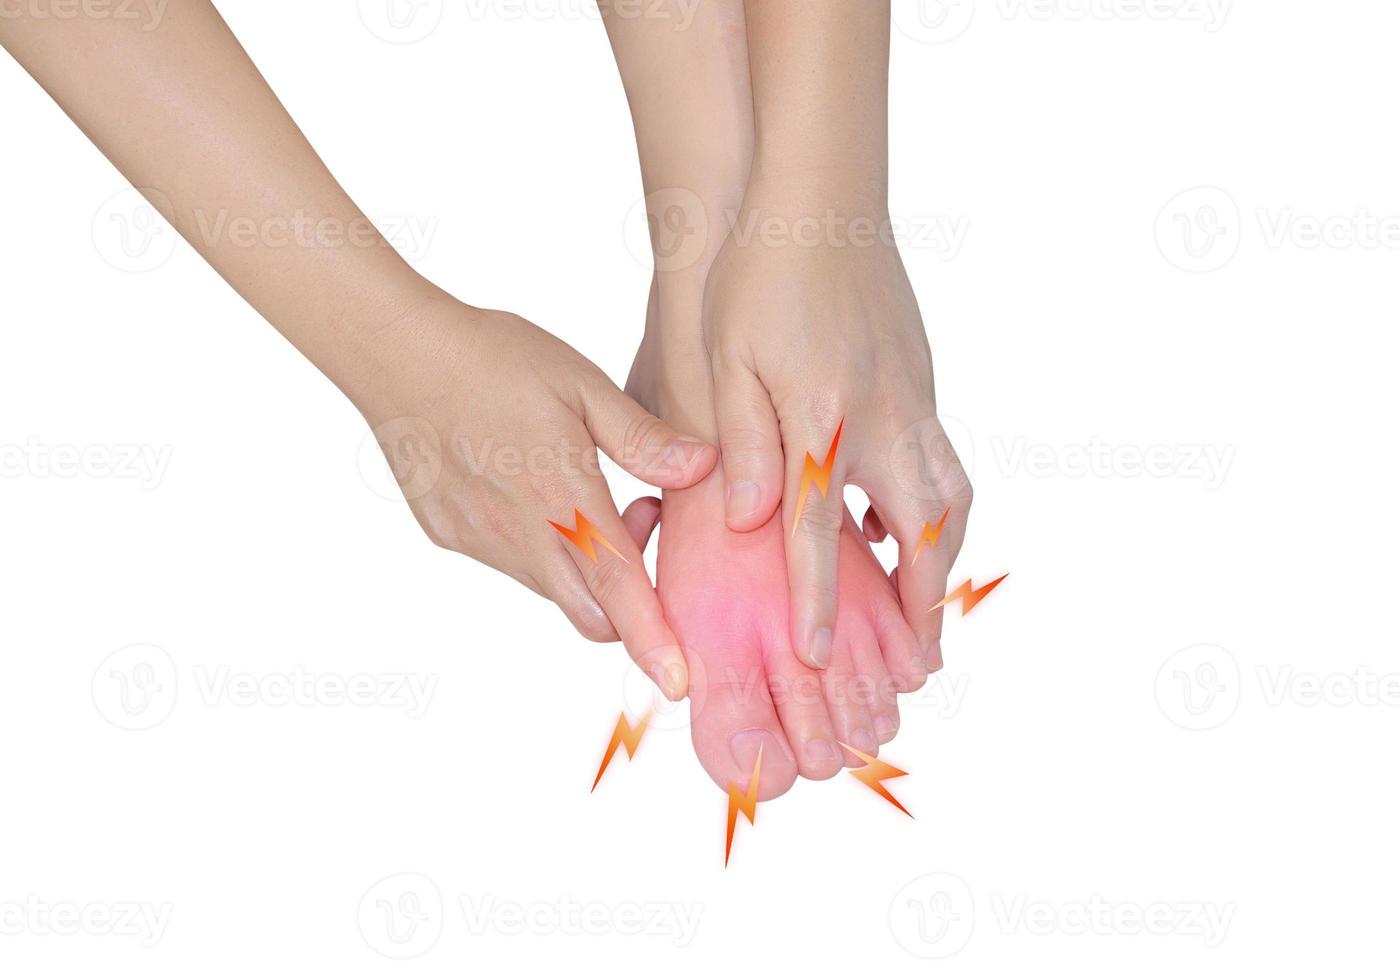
(812, 329)
(492, 427)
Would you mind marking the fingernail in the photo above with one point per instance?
(819, 649)
(933, 656)
(919, 665)
(743, 499)
(862, 739)
(885, 728)
(746, 745)
(670, 674)
(819, 752)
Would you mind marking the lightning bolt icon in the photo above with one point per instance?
(970, 596)
(930, 535)
(624, 735)
(874, 773)
(820, 475)
(747, 802)
(583, 534)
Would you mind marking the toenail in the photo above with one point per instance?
(743, 499)
(863, 740)
(746, 745)
(885, 727)
(819, 650)
(819, 751)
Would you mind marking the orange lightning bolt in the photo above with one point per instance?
(969, 595)
(820, 475)
(874, 773)
(583, 534)
(930, 535)
(748, 803)
(625, 735)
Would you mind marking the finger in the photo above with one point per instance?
(610, 563)
(929, 540)
(813, 516)
(750, 446)
(640, 518)
(644, 445)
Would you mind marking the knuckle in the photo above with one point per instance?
(608, 580)
(820, 524)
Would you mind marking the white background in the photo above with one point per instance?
(1062, 773)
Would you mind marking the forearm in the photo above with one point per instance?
(820, 72)
(184, 114)
(692, 113)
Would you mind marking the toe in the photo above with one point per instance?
(801, 706)
(733, 720)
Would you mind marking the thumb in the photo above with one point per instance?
(750, 445)
(645, 446)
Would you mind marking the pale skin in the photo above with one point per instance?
(724, 589)
(185, 115)
(777, 111)
(808, 327)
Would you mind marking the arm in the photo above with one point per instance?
(813, 328)
(185, 115)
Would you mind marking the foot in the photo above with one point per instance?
(725, 594)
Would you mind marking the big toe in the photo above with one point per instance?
(735, 731)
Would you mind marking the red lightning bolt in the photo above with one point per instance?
(624, 735)
(873, 774)
(930, 535)
(583, 534)
(969, 595)
(820, 475)
(748, 803)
